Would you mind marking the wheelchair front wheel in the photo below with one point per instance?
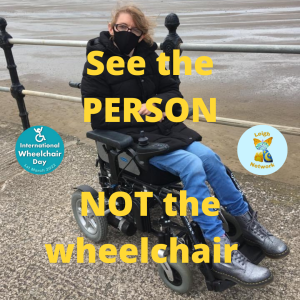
(93, 227)
(182, 276)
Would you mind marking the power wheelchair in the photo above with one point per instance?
(124, 167)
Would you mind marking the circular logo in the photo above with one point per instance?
(39, 150)
(262, 150)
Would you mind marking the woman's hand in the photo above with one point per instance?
(163, 117)
(144, 111)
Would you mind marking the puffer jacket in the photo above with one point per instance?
(151, 84)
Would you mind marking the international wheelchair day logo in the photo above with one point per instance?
(255, 147)
(39, 150)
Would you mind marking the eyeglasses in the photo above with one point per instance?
(123, 27)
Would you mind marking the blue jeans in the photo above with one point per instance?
(196, 164)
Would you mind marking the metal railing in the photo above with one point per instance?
(286, 49)
(219, 120)
(172, 41)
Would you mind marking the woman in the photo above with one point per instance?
(128, 35)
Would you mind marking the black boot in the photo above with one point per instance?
(240, 270)
(255, 234)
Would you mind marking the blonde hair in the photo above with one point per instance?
(141, 21)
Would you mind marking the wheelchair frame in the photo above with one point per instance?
(114, 179)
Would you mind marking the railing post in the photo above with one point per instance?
(172, 41)
(16, 87)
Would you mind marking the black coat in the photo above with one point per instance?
(143, 87)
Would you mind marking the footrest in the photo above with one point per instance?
(219, 285)
(254, 254)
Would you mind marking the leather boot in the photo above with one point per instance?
(256, 235)
(240, 270)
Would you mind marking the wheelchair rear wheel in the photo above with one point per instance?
(182, 276)
(93, 227)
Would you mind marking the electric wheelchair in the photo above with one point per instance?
(123, 166)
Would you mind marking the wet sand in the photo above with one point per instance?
(255, 87)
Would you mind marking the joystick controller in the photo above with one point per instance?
(143, 140)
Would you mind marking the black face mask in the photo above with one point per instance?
(125, 41)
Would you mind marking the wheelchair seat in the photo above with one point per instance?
(122, 142)
(157, 176)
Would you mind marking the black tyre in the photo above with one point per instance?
(182, 276)
(93, 227)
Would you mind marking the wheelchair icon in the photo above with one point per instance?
(39, 137)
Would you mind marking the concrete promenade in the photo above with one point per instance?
(36, 210)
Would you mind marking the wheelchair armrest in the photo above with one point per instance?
(111, 138)
(144, 153)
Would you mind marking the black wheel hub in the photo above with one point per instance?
(177, 278)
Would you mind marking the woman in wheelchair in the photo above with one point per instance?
(128, 35)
